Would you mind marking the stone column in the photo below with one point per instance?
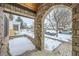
(1, 29)
(38, 29)
(4, 48)
(3, 41)
(75, 38)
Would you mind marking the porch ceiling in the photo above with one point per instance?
(32, 6)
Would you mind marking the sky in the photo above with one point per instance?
(29, 21)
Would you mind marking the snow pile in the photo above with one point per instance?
(20, 45)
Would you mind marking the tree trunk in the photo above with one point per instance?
(57, 30)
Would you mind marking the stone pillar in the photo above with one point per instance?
(38, 35)
(1, 29)
(75, 26)
(3, 42)
(75, 38)
(4, 48)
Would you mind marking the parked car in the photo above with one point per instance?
(50, 32)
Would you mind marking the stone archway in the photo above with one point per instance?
(38, 23)
(50, 10)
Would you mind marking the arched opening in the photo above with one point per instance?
(57, 30)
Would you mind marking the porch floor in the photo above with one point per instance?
(64, 49)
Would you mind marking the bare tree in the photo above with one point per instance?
(61, 17)
(50, 20)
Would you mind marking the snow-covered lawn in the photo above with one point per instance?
(20, 45)
(25, 32)
(50, 44)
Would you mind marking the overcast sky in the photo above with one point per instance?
(25, 20)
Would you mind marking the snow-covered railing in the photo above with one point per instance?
(27, 36)
(58, 40)
(21, 36)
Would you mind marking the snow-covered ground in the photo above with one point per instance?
(50, 44)
(20, 45)
(25, 32)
